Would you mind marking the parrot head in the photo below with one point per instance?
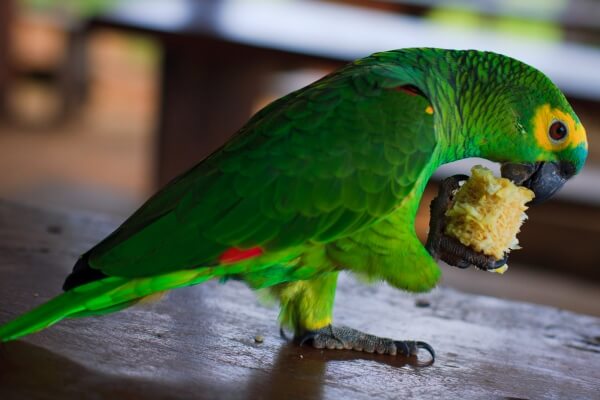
(560, 148)
(522, 120)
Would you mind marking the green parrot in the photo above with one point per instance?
(329, 178)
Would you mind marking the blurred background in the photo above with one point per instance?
(103, 101)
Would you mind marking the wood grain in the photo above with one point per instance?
(199, 342)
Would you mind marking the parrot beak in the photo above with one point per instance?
(543, 178)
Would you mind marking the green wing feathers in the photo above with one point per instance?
(313, 167)
(316, 165)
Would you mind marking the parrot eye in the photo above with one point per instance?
(558, 131)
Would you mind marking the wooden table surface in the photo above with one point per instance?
(199, 342)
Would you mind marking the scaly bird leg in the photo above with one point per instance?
(447, 248)
(307, 306)
(331, 337)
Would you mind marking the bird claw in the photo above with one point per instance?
(331, 337)
(306, 337)
(449, 249)
(411, 348)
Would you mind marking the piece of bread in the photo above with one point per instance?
(487, 212)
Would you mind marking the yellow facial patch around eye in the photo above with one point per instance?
(543, 118)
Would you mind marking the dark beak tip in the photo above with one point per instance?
(543, 178)
(546, 181)
(541, 197)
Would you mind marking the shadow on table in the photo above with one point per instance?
(301, 372)
(32, 372)
(28, 371)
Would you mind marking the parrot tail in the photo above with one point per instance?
(96, 298)
(41, 317)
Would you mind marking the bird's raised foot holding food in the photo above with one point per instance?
(447, 248)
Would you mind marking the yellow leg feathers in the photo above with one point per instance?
(307, 305)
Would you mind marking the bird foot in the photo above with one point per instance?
(449, 249)
(331, 337)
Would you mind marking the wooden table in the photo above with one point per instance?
(200, 341)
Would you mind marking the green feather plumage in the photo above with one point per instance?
(328, 177)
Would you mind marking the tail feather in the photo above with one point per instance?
(96, 298)
(41, 317)
(56, 309)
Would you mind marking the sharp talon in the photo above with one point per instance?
(493, 264)
(409, 348)
(501, 262)
(402, 347)
(426, 346)
(450, 184)
(458, 178)
(305, 338)
(282, 334)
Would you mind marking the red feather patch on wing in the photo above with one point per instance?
(234, 255)
(410, 90)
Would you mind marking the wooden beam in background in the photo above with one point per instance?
(6, 10)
